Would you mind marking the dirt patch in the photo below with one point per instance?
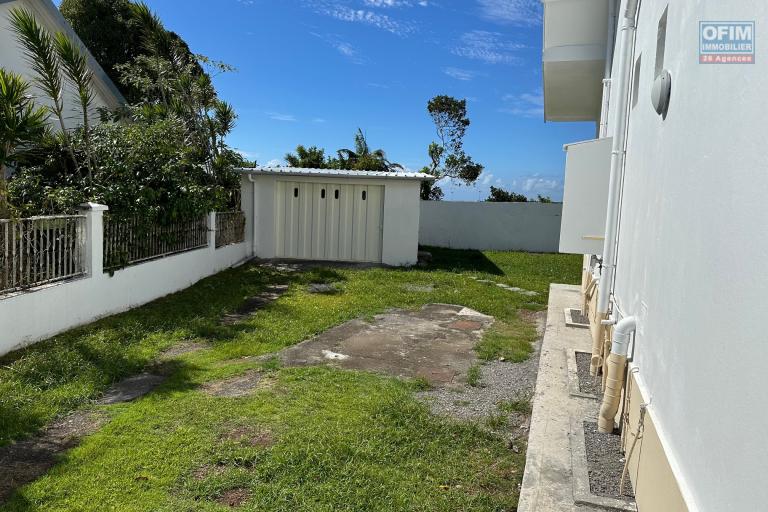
(587, 383)
(234, 497)
(435, 343)
(605, 462)
(234, 387)
(253, 304)
(251, 436)
(25, 461)
(131, 388)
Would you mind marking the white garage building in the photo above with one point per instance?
(336, 215)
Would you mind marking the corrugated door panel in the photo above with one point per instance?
(346, 213)
(280, 219)
(359, 222)
(373, 230)
(305, 220)
(319, 205)
(332, 209)
(291, 225)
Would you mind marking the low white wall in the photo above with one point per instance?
(42, 312)
(533, 227)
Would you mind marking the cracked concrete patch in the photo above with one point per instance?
(25, 461)
(435, 342)
(253, 304)
(131, 388)
(234, 387)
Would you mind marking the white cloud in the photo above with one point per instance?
(277, 116)
(344, 48)
(524, 105)
(274, 163)
(459, 74)
(487, 178)
(366, 17)
(489, 47)
(318, 120)
(527, 12)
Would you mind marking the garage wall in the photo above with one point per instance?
(533, 227)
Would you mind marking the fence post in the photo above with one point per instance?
(94, 238)
(212, 231)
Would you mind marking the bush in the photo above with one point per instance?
(145, 169)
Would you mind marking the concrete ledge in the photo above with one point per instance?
(581, 492)
(573, 375)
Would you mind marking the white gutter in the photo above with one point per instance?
(618, 153)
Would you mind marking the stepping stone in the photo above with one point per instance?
(323, 288)
(131, 389)
(253, 304)
(234, 387)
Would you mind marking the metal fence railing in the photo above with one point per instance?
(40, 250)
(230, 228)
(132, 240)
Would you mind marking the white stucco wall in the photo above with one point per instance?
(42, 312)
(12, 59)
(691, 255)
(400, 225)
(531, 227)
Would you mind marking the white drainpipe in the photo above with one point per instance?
(619, 86)
(618, 152)
(617, 361)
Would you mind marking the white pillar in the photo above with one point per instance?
(212, 231)
(94, 238)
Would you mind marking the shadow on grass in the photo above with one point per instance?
(461, 260)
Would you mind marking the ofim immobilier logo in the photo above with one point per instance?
(727, 42)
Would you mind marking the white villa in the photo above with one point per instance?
(668, 207)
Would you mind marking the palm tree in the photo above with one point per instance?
(363, 159)
(21, 122)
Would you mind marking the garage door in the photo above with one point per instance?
(325, 221)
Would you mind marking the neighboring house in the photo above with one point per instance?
(671, 200)
(12, 57)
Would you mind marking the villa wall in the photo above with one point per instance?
(533, 227)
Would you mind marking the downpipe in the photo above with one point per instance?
(618, 153)
(616, 365)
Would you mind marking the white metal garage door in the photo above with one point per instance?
(326, 221)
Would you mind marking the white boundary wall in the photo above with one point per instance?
(39, 313)
(533, 227)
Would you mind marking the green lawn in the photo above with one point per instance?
(333, 439)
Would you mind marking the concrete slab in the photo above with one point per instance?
(435, 343)
(548, 480)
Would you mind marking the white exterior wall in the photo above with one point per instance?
(12, 59)
(533, 227)
(691, 255)
(400, 225)
(42, 312)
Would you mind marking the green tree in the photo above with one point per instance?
(22, 123)
(106, 28)
(543, 199)
(447, 156)
(363, 159)
(499, 195)
(307, 158)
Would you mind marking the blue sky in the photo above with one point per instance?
(312, 71)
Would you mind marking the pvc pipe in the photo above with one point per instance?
(614, 376)
(618, 152)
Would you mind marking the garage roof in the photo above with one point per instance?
(337, 173)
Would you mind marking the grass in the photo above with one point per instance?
(473, 375)
(521, 405)
(510, 342)
(341, 440)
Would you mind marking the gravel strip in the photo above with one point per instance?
(605, 463)
(499, 382)
(587, 383)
